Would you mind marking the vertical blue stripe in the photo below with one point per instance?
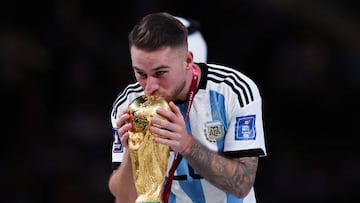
(233, 199)
(218, 112)
(191, 186)
(217, 104)
(172, 198)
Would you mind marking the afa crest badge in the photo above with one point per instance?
(214, 131)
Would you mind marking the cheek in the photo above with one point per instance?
(141, 81)
(167, 82)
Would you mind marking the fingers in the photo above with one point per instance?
(178, 141)
(175, 109)
(172, 129)
(123, 127)
(173, 115)
(122, 118)
(173, 122)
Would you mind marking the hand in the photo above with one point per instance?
(173, 130)
(123, 127)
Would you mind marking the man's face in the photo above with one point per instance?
(162, 72)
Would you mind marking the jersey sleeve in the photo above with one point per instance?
(117, 150)
(245, 134)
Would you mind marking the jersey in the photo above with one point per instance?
(225, 116)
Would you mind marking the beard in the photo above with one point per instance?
(177, 93)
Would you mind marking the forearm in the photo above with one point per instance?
(121, 183)
(235, 176)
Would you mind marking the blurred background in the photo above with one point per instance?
(62, 63)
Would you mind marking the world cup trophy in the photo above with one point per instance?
(148, 158)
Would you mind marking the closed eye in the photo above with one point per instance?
(141, 74)
(159, 73)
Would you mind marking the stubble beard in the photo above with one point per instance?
(177, 93)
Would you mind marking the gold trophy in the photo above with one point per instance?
(149, 159)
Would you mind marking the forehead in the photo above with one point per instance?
(164, 57)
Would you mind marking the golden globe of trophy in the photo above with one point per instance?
(148, 158)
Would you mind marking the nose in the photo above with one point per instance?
(151, 85)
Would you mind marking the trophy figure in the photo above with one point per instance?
(149, 159)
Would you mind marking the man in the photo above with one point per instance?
(215, 123)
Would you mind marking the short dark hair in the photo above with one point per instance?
(157, 30)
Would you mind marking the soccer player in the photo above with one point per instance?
(214, 129)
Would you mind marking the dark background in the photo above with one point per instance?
(62, 64)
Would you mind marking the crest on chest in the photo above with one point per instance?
(214, 130)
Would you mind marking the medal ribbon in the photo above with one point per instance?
(178, 157)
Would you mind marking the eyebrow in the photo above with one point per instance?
(162, 67)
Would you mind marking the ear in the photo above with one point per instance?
(189, 59)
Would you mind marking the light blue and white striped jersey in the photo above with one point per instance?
(225, 116)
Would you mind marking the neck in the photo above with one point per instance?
(184, 94)
(189, 82)
(198, 69)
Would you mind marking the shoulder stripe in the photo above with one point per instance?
(234, 80)
(121, 98)
(232, 87)
(125, 92)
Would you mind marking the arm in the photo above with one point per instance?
(121, 183)
(235, 176)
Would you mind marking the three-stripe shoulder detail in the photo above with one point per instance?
(122, 96)
(238, 82)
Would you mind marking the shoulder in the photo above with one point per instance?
(130, 92)
(227, 72)
(233, 80)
